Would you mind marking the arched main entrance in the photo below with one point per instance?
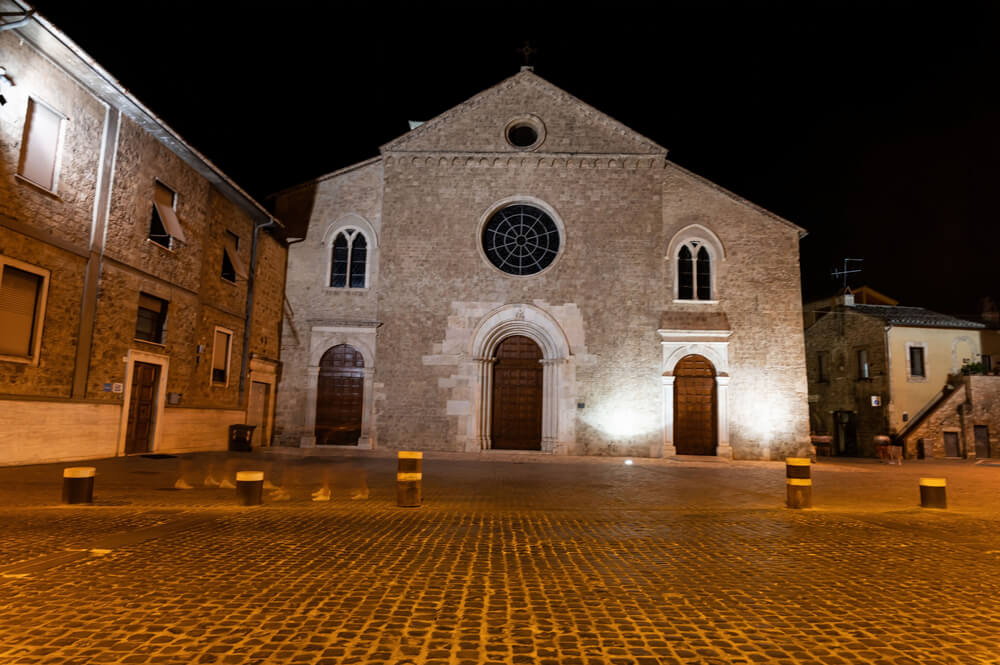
(340, 396)
(694, 406)
(517, 395)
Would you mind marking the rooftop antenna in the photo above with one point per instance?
(846, 271)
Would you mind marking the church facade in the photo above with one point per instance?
(525, 272)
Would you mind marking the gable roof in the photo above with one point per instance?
(895, 315)
(631, 141)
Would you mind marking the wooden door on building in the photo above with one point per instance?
(517, 395)
(694, 406)
(340, 396)
(142, 407)
(257, 412)
(982, 441)
(845, 433)
(951, 444)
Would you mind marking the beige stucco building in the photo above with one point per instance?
(525, 272)
(140, 288)
(879, 369)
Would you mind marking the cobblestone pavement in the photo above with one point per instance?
(516, 560)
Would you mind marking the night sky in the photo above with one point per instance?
(876, 126)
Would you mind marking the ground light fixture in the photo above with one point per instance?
(628, 462)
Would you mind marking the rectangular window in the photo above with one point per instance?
(22, 309)
(864, 371)
(917, 361)
(220, 356)
(164, 225)
(232, 265)
(821, 366)
(40, 150)
(152, 316)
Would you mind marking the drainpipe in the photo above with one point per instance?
(24, 20)
(251, 282)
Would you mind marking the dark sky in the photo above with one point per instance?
(874, 125)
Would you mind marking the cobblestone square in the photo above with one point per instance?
(514, 560)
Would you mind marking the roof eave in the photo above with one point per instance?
(67, 55)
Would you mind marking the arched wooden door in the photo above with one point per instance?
(517, 395)
(340, 396)
(694, 406)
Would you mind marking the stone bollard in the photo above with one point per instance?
(249, 487)
(78, 484)
(932, 493)
(409, 478)
(798, 482)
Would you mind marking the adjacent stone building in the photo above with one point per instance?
(881, 369)
(140, 289)
(525, 272)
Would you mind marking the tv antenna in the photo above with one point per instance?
(846, 271)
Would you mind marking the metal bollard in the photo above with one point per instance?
(798, 482)
(932, 493)
(78, 484)
(249, 487)
(409, 478)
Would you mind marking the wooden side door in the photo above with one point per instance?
(257, 413)
(517, 395)
(982, 441)
(142, 404)
(694, 406)
(846, 433)
(951, 444)
(340, 397)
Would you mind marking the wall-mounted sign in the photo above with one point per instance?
(876, 400)
(107, 387)
(117, 388)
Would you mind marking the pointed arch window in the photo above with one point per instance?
(694, 271)
(349, 260)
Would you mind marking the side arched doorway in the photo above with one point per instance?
(694, 406)
(517, 395)
(340, 396)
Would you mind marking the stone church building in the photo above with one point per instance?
(525, 272)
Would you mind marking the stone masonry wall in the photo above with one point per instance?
(356, 191)
(840, 335)
(63, 215)
(975, 401)
(758, 290)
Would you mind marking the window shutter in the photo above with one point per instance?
(221, 352)
(163, 199)
(234, 260)
(18, 304)
(41, 145)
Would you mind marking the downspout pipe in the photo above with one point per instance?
(26, 18)
(251, 283)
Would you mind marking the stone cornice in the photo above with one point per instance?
(522, 160)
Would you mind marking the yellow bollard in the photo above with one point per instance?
(78, 484)
(409, 478)
(798, 482)
(249, 487)
(933, 493)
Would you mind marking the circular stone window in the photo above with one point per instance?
(525, 132)
(522, 136)
(521, 239)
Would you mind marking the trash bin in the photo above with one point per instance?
(240, 437)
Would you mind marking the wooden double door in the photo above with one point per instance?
(340, 395)
(517, 395)
(694, 406)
